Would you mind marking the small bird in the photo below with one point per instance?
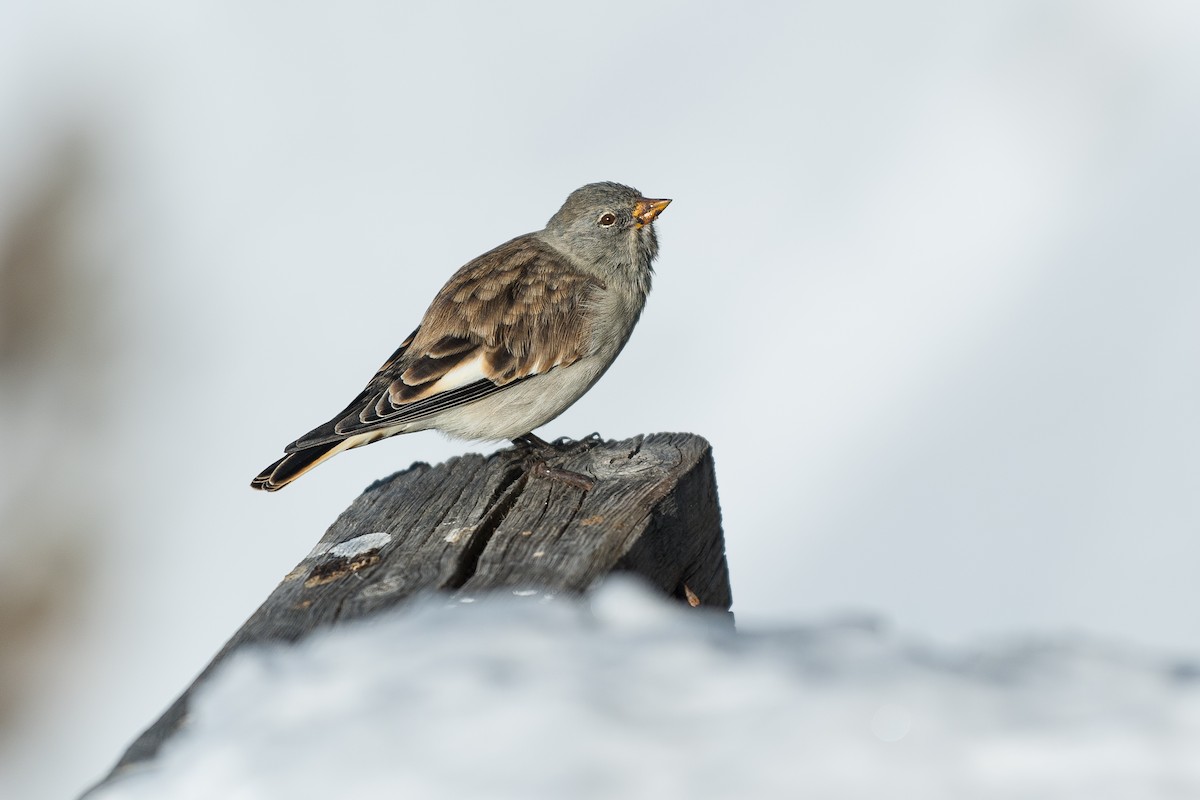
(513, 338)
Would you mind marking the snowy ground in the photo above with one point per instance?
(626, 696)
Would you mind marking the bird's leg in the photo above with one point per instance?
(531, 441)
(538, 453)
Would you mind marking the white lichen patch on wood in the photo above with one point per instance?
(360, 544)
(456, 534)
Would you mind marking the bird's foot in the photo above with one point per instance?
(537, 453)
(562, 446)
(567, 446)
(529, 443)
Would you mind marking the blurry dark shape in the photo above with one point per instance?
(42, 309)
(34, 598)
(52, 403)
(1185, 671)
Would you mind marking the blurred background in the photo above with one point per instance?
(930, 286)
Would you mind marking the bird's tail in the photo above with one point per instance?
(293, 465)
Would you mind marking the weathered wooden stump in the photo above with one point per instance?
(475, 524)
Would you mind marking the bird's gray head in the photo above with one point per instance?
(609, 226)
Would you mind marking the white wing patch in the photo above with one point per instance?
(464, 374)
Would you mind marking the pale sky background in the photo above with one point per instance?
(929, 286)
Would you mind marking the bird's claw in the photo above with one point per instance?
(565, 445)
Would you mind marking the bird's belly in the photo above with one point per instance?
(524, 406)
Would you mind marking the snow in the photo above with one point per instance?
(627, 695)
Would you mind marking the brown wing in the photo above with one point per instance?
(517, 311)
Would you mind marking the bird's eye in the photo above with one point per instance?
(607, 220)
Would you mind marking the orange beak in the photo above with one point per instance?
(645, 211)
